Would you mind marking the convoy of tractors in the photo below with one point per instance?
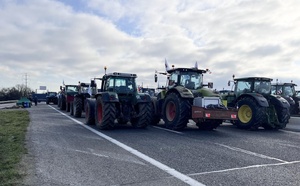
(254, 101)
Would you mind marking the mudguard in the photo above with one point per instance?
(184, 92)
(279, 101)
(143, 98)
(109, 96)
(261, 100)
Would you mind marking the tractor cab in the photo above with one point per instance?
(288, 92)
(121, 83)
(258, 85)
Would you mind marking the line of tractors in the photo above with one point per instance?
(253, 103)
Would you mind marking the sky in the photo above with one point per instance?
(48, 42)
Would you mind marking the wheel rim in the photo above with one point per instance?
(245, 114)
(99, 113)
(171, 111)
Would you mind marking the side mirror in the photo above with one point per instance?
(155, 78)
(210, 85)
(60, 87)
(228, 83)
(93, 83)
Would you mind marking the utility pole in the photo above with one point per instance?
(26, 81)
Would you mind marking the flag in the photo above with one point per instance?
(196, 65)
(167, 65)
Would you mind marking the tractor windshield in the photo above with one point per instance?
(121, 84)
(71, 88)
(52, 93)
(191, 80)
(262, 87)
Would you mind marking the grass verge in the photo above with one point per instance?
(13, 127)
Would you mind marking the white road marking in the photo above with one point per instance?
(250, 153)
(85, 152)
(167, 130)
(247, 167)
(291, 132)
(152, 161)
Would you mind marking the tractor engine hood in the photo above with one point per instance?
(204, 92)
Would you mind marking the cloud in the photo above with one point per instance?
(55, 40)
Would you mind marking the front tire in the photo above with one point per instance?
(176, 112)
(71, 109)
(77, 107)
(283, 117)
(250, 114)
(90, 112)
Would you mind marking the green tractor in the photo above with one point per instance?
(118, 100)
(186, 97)
(288, 92)
(257, 107)
(77, 105)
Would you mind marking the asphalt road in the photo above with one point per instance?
(64, 151)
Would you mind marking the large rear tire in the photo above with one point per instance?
(250, 114)
(90, 112)
(77, 105)
(105, 114)
(176, 112)
(144, 111)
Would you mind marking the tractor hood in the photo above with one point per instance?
(205, 92)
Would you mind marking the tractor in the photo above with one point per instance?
(77, 105)
(66, 96)
(287, 91)
(51, 97)
(118, 100)
(185, 97)
(257, 107)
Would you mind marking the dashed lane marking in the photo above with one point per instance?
(173, 131)
(250, 152)
(247, 167)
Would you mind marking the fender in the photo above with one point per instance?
(184, 92)
(279, 101)
(143, 98)
(108, 97)
(261, 100)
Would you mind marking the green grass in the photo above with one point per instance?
(13, 126)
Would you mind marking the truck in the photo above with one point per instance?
(118, 102)
(257, 107)
(185, 97)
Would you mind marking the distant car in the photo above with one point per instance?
(51, 97)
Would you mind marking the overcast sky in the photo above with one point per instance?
(51, 41)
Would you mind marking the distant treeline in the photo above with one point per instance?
(14, 93)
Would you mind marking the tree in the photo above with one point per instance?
(14, 93)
